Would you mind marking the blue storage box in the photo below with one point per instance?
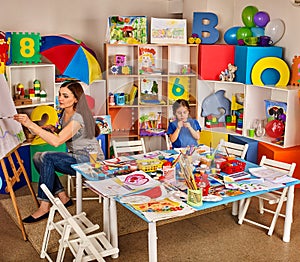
(103, 139)
(25, 156)
(251, 155)
(247, 56)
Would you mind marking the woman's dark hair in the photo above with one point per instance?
(178, 103)
(82, 107)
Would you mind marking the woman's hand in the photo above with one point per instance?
(23, 119)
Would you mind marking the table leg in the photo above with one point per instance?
(106, 219)
(113, 224)
(78, 193)
(288, 214)
(152, 242)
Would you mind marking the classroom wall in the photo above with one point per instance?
(86, 20)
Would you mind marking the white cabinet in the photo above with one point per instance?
(26, 75)
(254, 108)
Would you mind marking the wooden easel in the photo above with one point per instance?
(10, 181)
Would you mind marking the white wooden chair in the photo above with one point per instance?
(273, 198)
(132, 146)
(238, 150)
(77, 233)
(231, 148)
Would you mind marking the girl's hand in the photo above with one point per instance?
(23, 119)
(180, 124)
(187, 124)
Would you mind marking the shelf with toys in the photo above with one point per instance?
(264, 113)
(31, 84)
(144, 80)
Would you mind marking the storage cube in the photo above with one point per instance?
(289, 155)
(213, 59)
(211, 138)
(247, 56)
(24, 154)
(42, 148)
(252, 146)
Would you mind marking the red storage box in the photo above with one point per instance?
(232, 166)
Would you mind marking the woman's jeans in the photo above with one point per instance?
(48, 163)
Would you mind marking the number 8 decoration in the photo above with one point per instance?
(25, 47)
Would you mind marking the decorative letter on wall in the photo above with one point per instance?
(204, 24)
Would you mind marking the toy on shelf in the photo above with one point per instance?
(194, 39)
(295, 76)
(120, 66)
(150, 124)
(228, 74)
(276, 118)
(217, 105)
(20, 97)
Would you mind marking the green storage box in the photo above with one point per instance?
(42, 148)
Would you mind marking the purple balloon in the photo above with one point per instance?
(261, 19)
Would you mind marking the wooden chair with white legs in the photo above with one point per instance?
(128, 147)
(238, 150)
(77, 233)
(273, 198)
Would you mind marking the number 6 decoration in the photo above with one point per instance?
(25, 47)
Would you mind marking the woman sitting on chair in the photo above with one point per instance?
(78, 131)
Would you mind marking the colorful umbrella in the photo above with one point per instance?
(71, 57)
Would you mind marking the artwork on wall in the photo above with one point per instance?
(11, 132)
(127, 30)
(168, 31)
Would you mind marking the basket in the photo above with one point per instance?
(232, 166)
(149, 165)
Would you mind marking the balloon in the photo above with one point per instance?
(243, 32)
(261, 19)
(230, 35)
(257, 31)
(248, 15)
(275, 128)
(275, 29)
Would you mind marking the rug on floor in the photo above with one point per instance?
(127, 221)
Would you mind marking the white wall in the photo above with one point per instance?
(230, 11)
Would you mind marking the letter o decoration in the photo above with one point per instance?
(270, 62)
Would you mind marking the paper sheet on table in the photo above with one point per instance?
(269, 174)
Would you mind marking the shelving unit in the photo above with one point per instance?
(254, 108)
(26, 74)
(169, 67)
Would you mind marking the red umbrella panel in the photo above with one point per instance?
(71, 57)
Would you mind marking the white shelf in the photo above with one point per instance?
(254, 107)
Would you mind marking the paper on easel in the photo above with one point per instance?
(11, 134)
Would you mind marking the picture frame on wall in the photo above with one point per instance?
(168, 31)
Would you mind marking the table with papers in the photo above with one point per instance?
(114, 189)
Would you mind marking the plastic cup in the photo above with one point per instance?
(194, 197)
(251, 132)
(93, 157)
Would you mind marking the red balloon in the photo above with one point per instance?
(275, 128)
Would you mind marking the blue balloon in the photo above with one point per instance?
(230, 35)
(257, 31)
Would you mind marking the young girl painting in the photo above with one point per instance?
(184, 131)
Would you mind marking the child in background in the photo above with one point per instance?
(184, 131)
